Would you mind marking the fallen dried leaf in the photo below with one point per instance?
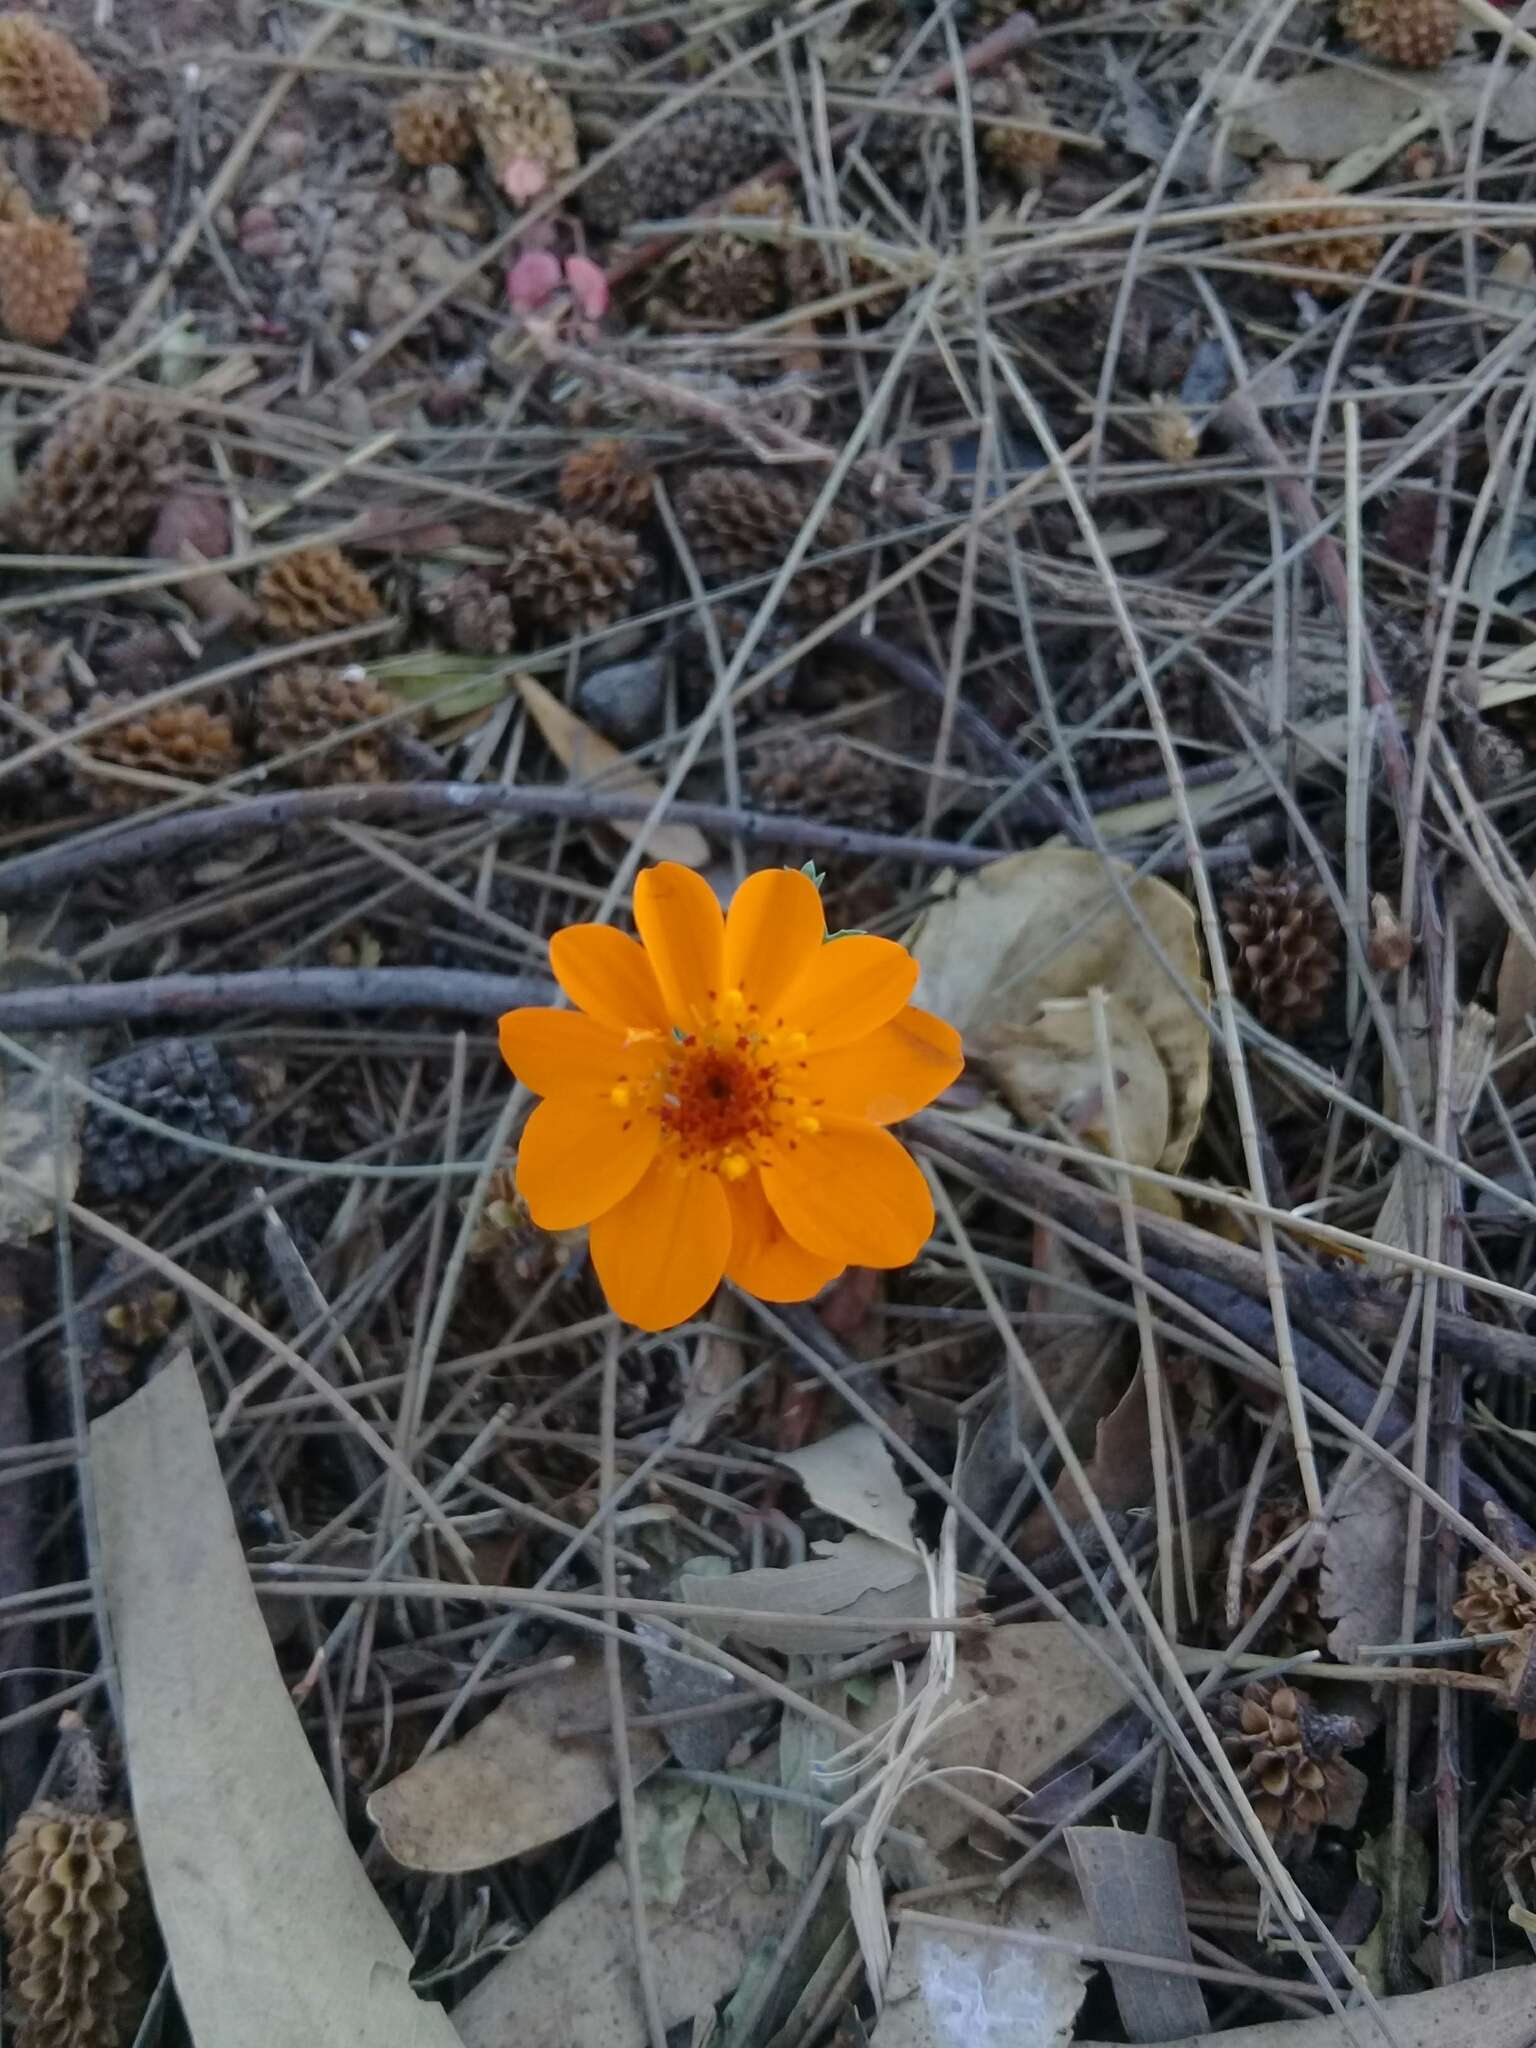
(587, 757)
(237, 1823)
(1361, 1587)
(859, 1579)
(1120, 1473)
(852, 1475)
(513, 1783)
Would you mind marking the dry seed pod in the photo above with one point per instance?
(314, 590)
(1286, 945)
(31, 683)
(68, 1898)
(1418, 34)
(1320, 235)
(678, 167)
(184, 740)
(432, 126)
(740, 523)
(1297, 1625)
(188, 1084)
(45, 83)
(297, 707)
(608, 480)
(740, 278)
(575, 575)
(1493, 1603)
(1025, 154)
(524, 127)
(96, 485)
(1287, 1755)
(42, 279)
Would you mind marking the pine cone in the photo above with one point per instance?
(314, 590)
(678, 167)
(42, 279)
(1286, 944)
(184, 740)
(432, 126)
(740, 523)
(1492, 1603)
(476, 617)
(820, 775)
(1298, 1624)
(740, 278)
(1286, 1754)
(97, 483)
(45, 83)
(1511, 1838)
(68, 1896)
(1025, 155)
(575, 575)
(608, 480)
(297, 707)
(31, 683)
(1343, 241)
(188, 1083)
(524, 127)
(1419, 34)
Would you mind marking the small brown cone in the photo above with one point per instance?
(1493, 1603)
(1297, 1625)
(738, 278)
(432, 126)
(1418, 34)
(1287, 1756)
(43, 274)
(1285, 946)
(474, 615)
(525, 128)
(182, 740)
(740, 523)
(314, 590)
(298, 707)
(1336, 245)
(608, 480)
(45, 83)
(70, 1900)
(97, 483)
(31, 683)
(678, 167)
(573, 575)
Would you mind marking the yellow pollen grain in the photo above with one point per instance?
(796, 1041)
(809, 1124)
(620, 1097)
(734, 1167)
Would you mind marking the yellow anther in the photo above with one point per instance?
(734, 1167)
(620, 1097)
(796, 1041)
(809, 1124)
(734, 1003)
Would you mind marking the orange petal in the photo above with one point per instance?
(851, 1194)
(765, 1260)
(578, 1156)
(661, 1253)
(773, 930)
(890, 1074)
(556, 1052)
(606, 973)
(682, 926)
(849, 989)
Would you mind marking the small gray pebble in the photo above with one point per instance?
(624, 702)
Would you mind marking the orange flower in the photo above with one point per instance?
(715, 1102)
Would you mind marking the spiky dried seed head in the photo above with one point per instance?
(1286, 946)
(97, 483)
(45, 83)
(740, 523)
(43, 273)
(1418, 34)
(573, 575)
(70, 1901)
(432, 126)
(186, 741)
(678, 167)
(524, 126)
(314, 590)
(610, 480)
(297, 708)
(1336, 244)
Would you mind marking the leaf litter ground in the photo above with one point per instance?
(1120, 587)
